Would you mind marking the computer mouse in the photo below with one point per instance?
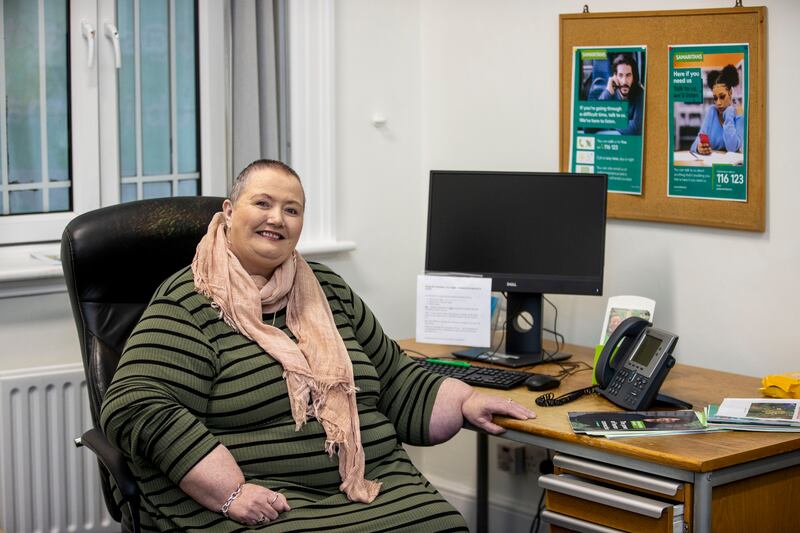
(541, 382)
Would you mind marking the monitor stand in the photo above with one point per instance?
(523, 344)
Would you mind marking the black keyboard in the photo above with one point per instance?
(479, 376)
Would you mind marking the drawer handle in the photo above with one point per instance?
(575, 524)
(620, 475)
(602, 495)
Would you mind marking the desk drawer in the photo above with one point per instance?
(622, 477)
(559, 522)
(616, 509)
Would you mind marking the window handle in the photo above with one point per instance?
(113, 35)
(88, 33)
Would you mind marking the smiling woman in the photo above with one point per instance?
(259, 389)
(265, 216)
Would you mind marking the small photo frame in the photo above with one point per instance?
(621, 307)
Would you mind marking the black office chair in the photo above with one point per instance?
(114, 259)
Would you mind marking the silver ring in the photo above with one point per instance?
(509, 400)
(261, 520)
(274, 499)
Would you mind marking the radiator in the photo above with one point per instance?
(46, 483)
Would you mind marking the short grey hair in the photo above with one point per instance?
(260, 164)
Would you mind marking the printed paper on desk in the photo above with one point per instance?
(454, 310)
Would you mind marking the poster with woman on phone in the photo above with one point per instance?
(608, 108)
(708, 92)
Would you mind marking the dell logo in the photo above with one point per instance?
(511, 283)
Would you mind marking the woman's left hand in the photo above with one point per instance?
(478, 409)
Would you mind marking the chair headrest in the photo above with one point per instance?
(122, 253)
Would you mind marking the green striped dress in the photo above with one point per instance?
(187, 382)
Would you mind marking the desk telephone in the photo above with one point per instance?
(631, 368)
(634, 363)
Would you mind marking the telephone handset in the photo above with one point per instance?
(634, 363)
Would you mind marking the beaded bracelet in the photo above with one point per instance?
(229, 501)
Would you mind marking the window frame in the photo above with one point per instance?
(312, 119)
(312, 129)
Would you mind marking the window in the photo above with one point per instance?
(157, 99)
(38, 172)
(110, 126)
(33, 97)
(100, 103)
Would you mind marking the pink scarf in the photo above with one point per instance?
(316, 368)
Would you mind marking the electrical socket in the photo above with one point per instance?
(511, 458)
(534, 455)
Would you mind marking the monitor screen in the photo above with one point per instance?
(529, 232)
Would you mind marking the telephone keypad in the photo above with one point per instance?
(629, 383)
(619, 381)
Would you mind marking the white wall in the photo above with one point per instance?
(37, 331)
(379, 169)
(473, 84)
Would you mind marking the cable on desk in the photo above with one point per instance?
(554, 331)
(569, 368)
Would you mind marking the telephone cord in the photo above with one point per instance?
(549, 399)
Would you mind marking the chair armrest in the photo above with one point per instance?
(112, 459)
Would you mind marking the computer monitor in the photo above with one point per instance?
(531, 232)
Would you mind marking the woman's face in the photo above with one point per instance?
(722, 96)
(264, 224)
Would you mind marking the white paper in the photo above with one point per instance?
(454, 310)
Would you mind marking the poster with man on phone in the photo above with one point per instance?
(708, 92)
(608, 108)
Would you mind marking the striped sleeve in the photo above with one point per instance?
(408, 391)
(154, 406)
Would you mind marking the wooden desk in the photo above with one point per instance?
(739, 481)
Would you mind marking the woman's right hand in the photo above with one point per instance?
(703, 148)
(257, 505)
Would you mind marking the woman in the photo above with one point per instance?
(252, 374)
(722, 127)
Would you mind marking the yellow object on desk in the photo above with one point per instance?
(782, 385)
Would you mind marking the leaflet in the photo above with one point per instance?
(755, 410)
(627, 423)
(621, 307)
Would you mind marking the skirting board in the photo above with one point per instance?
(504, 513)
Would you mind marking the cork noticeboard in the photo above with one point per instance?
(658, 30)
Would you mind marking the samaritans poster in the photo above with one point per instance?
(608, 96)
(708, 95)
